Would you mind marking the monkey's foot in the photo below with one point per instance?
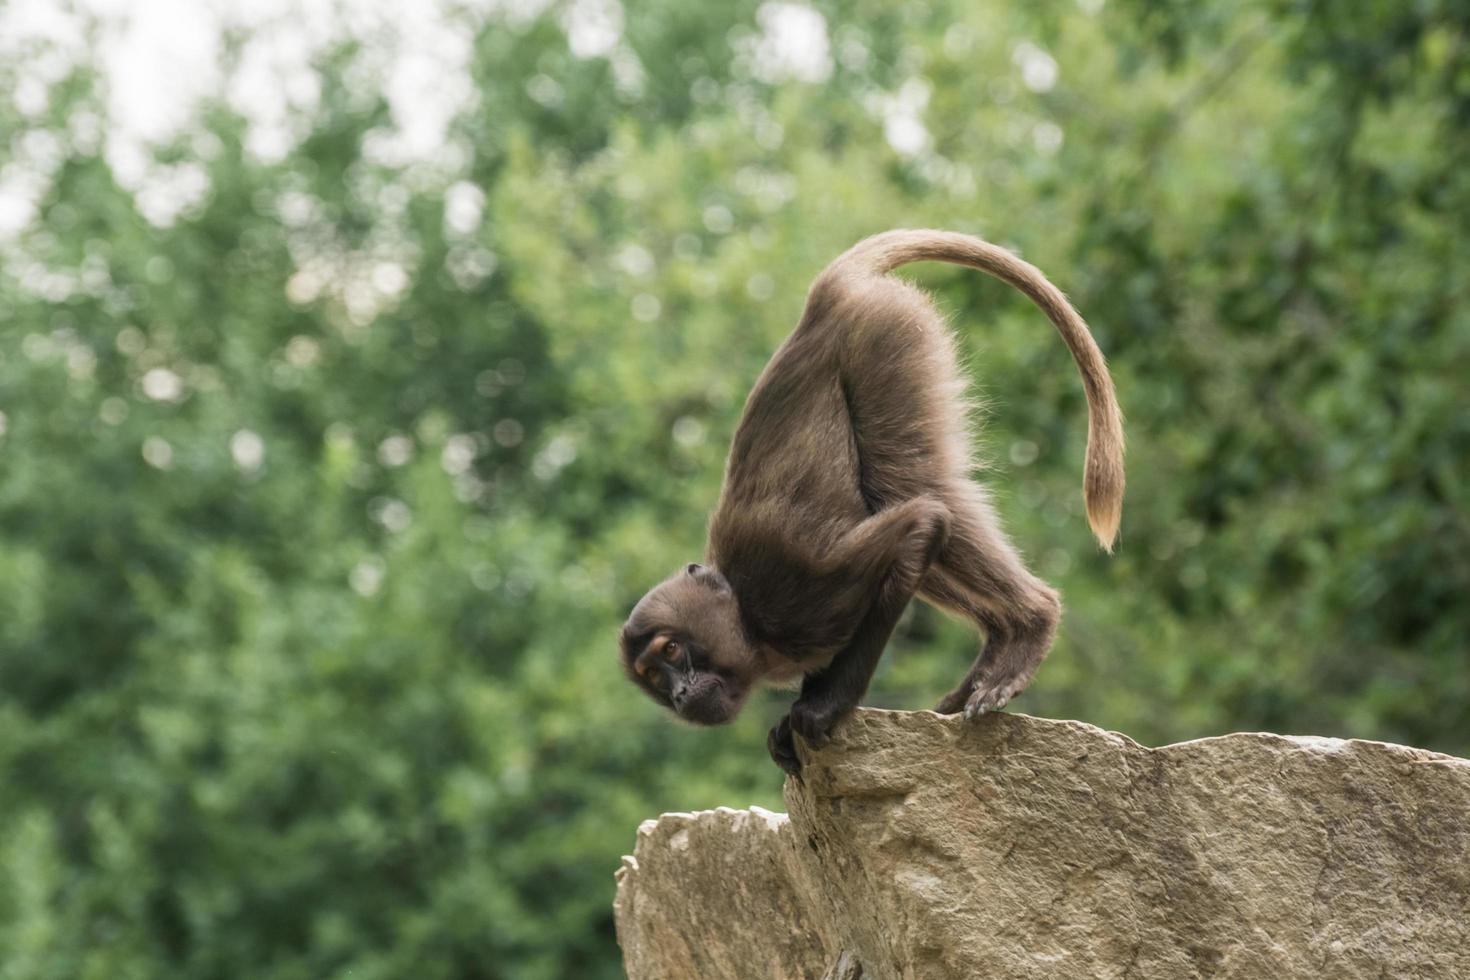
(983, 698)
(991, 696)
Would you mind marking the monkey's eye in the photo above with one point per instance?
(671, 651)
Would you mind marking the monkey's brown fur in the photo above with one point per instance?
(847, 491)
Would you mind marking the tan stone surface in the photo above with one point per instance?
(715, 895)
(925, 846)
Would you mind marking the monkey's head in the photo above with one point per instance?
(684, 645)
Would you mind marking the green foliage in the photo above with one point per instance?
(318, 512)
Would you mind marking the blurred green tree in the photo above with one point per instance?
(323, 492)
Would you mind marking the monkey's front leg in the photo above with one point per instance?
(896, 547)
(829, 695)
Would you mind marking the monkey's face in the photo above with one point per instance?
(684, 647)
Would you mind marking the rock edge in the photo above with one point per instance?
(921, 846)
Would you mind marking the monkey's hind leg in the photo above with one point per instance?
(907, 407)
(980, 576)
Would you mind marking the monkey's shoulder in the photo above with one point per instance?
(784, 582)
(756, 539)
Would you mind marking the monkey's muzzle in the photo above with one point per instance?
(704, 701)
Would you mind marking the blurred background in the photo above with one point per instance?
(362, 363)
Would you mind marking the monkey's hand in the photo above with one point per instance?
(783, 748)
(813, 717)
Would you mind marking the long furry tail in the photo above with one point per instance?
(1102, 482)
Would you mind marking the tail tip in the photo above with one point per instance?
(1106, 531)
(1104, 515)
(1102, 492)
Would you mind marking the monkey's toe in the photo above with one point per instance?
(953, 702)
(987, 698)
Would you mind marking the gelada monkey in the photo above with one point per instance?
(847, 492)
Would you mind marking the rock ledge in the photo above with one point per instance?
(923, 846)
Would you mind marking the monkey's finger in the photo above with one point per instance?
(787, 760)
(812, 734)
(782, 748)
(813, 722)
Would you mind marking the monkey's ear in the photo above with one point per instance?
(709, 577)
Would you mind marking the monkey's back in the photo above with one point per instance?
(861, 407)
(794, 448)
